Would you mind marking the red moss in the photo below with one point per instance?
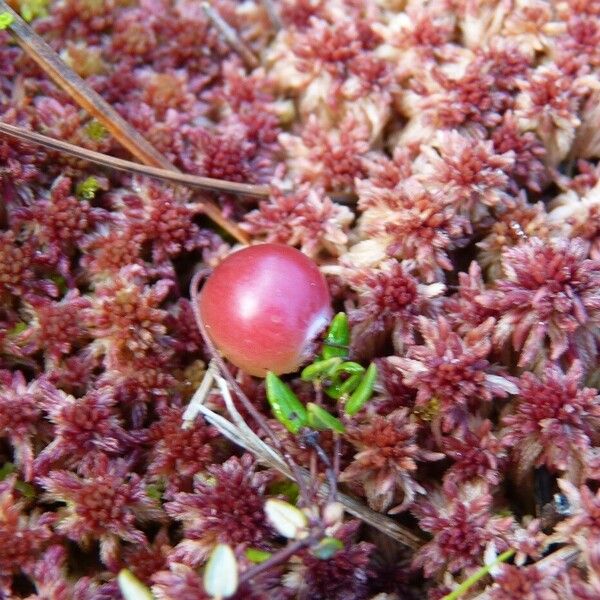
(386, 460)
(547, 302)
(452, 370)
(175, 453)
(106, 504)
(228, 509)
(20, 418)
(462, 524)
(22, 537)
(554, 421)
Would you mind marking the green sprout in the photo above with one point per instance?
(341, 379)
(96, 131)
(6, 20)
(86, 189)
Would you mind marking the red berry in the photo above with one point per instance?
(263, 307)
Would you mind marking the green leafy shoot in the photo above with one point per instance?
(344, 380)
(96, 131)
(286, 406)
(6, 20)
(319, 418)
(363, 392)
(86, 189)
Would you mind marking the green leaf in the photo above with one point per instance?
(319, 418)
(6, 20)
(337, 337)
(363, 392)
(257, 556)
(87, 189)
(131, 587)
(327, 547)
(286, 407)
(320, 368)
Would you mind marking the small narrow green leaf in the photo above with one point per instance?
(363, 392)
(6, 20)
(221, 572)
(337, 337)
(257, 556)
(319, 418)
(131, 587)
(286, 407)
(327, 547)
(320, 368)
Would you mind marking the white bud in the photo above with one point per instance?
(131, 587)
(221, 572)
(287, 520)
(333, 513)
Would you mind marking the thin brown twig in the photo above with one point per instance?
(230, 35)
(207, 183)
(37, 49)
(279, 557)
